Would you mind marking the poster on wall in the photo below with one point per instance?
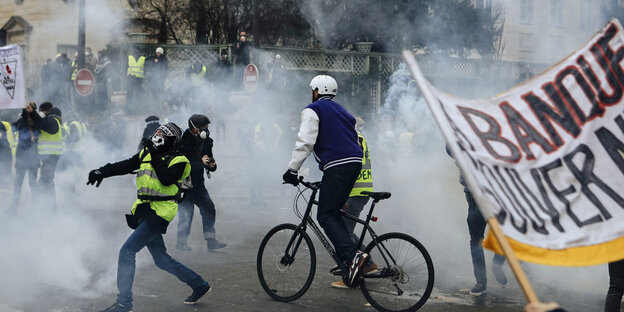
(12, 77)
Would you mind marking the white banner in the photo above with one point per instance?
(12, 93)
(546, 158)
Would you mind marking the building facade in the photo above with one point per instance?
(45, 28)
(545, 31)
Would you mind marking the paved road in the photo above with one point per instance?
(67, 262)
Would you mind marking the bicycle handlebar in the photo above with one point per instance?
(310, 185)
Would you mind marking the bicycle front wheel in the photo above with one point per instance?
(404, 279)
(286, 262)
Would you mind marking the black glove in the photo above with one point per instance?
(95, 176)
(148, 144)
(291, 177)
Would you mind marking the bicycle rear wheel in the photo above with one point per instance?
(286, 262)
(405, 277)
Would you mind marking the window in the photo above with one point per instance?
(3, 37)
(556, 13)
(526, 12)
(527, 42)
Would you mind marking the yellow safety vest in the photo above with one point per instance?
(364, 181)
(10, 137)
(66, 131)
(78, 125)
(198, 78)
(135, 68)
(51, 144)
(149, 189)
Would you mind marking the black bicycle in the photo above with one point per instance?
(286, 260)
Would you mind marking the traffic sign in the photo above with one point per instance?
(84, 82)
(250, 77)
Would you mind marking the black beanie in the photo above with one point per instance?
(45, 106)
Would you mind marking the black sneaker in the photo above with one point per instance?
(356, 268)
(117, 307)
(335, 270)
(197, 293)
(183, 246)
(214, 244)
(478, 289)
(499, 274)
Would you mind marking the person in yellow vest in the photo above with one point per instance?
(356, 202)
(134, 82)
(196, 78)
(51, 146)
(6, 144)
(161, 169)
(26, 155)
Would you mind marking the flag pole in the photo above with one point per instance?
(421, 81)
(524, 283)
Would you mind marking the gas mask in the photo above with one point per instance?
(202, 133)
(158, 140)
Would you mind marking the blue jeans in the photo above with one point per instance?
(616, 286)
(336, 185)
(185, 213)
(476, 227)
(146, 234)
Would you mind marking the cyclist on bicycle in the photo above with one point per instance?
(328, 130)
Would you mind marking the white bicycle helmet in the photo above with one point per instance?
(325, 84)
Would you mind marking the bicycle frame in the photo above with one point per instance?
(307, 220)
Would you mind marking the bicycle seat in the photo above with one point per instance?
(377, 195)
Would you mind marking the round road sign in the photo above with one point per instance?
(250, 77)
(84, 82)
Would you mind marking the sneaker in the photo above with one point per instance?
(183, 246)
(499, 274)
(339, 284)
(478, 289)
(356, 268)
(214, 244)
(117, 307)
(197, 293)
(371, 268)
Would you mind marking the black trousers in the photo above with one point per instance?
(616, 286)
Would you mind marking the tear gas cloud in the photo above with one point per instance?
(75, 250)
(427, 200)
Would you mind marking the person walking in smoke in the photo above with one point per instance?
(155, 75)
(476, 227)
(160, 169)
(134, 83)
(26, 155)
(51, 146)
(197, 147)
(329, 130)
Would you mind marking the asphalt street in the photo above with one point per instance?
(60, 279)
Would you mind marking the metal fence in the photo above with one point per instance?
(364, 75)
